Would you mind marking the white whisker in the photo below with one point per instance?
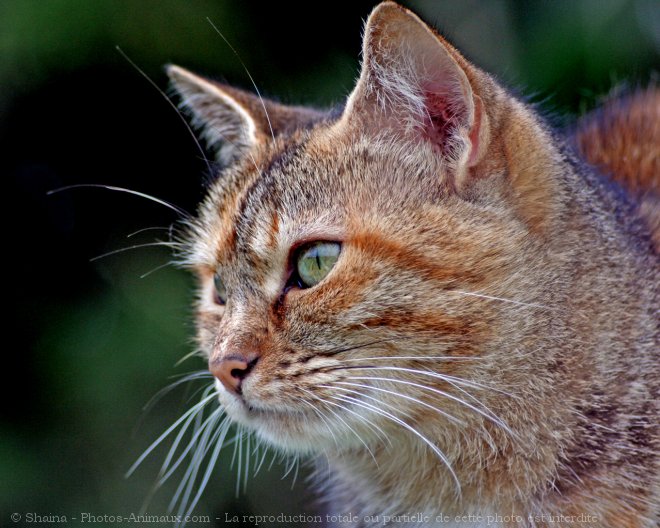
(295, 475)
(154, 270)
(416, 358)
(219, 441)
(247, 462)
(169, 101)
(188, 356)
(344, 421)
(261, 462)
(188, 481)
(393, 393)
(379, 431)
(406, 426)
(377, 400)
(490, 416)
(173, 207)
(137, 246)
(194, 409)
(165, 390)
(263, 104)
(323, 417)
(445, 377)
(145, 229)
(209, 422)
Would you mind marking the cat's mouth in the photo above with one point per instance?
(255, 410)
(241, 406)
(289, 428)
(256, 413)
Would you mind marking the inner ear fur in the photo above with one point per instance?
(416, 84)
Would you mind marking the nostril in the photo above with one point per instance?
(231, 371)
(243, 370)
(252, 364)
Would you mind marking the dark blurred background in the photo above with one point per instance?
(86, 344)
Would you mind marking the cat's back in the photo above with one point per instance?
(622, 140)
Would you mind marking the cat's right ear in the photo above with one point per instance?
(233, 121)
(225, 122)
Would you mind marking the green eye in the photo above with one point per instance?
(315, 261)
(220, 290)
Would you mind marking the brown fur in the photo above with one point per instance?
(494, 308)
(622, 139)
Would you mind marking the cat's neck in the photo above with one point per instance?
(407, 477)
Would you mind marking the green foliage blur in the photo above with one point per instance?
(89, 343)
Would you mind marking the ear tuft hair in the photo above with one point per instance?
(414, 83)
(226, 126)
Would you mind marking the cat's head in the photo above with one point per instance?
(371, 267)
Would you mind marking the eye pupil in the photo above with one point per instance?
(220, 293)
(314, 262)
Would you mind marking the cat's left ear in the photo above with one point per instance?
(416, 85)
(233, 121)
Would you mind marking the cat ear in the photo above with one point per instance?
(233, 121)
(415, 84)
(226, 125)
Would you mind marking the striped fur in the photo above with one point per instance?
(487, 342)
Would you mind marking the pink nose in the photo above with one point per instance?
(231, 371)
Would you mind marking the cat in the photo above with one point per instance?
(432, 294)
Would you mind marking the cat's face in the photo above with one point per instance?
(402, 253)
(404, 221)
